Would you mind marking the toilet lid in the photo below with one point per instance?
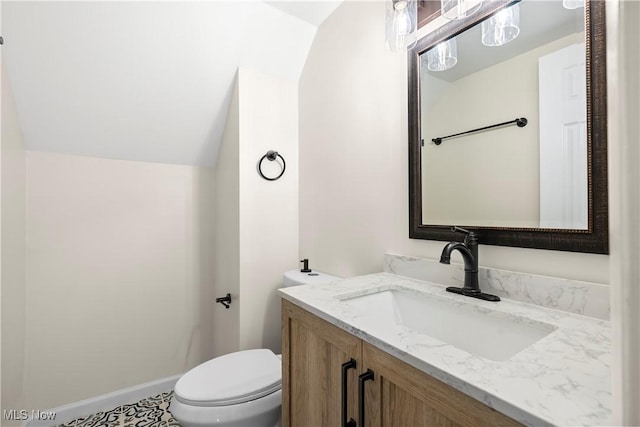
(231, 379)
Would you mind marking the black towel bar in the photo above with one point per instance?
(521, 122)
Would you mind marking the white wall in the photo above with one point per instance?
(268, 209)
(354, 159)
(226, 333)
(256, 220)
(13, 265)
(624, 181)
(123, 267)
(119, 274)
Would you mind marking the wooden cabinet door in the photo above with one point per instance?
(313, 352)
(401, 395)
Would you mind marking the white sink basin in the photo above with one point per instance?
(478, 330)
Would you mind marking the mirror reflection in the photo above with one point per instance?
(526, 62)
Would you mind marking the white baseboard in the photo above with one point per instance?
(105, 402)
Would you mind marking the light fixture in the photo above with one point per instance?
(401, 25)
(459, 9)
(443, 56)
(502, 27)
(572, 4)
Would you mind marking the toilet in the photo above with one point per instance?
(237, 389)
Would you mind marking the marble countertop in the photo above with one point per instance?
(563, 379)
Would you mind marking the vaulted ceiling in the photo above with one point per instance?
(145, 80)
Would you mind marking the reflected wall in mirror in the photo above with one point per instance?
(531, 176)
(540, 182)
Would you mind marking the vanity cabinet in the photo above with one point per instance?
(313, 352)
(316, 356)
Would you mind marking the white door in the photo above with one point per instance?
(563, 139)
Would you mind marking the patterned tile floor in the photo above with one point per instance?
(148, 412)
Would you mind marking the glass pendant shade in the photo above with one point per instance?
(443, 56)
(459, 9)
(502, 27)
(401, 24)
(572, 4)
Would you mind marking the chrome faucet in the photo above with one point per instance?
(469, 252)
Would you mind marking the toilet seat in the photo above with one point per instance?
(231, 379)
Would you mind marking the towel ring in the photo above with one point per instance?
(271, 156)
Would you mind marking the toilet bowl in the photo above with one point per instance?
(238, 389)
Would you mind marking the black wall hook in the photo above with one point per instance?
(225, 300)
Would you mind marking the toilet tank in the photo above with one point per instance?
(296, 277)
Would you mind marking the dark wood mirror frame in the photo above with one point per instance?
(595, 239)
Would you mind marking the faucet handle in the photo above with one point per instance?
(457, 229)
(470, 236)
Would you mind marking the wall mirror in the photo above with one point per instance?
(508, 127)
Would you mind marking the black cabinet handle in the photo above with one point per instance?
(367, 376)
(351, 364)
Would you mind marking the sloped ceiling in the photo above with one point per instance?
(312, 11)
(148, 81)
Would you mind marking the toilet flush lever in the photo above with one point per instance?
(225, 300)
(305, 266)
